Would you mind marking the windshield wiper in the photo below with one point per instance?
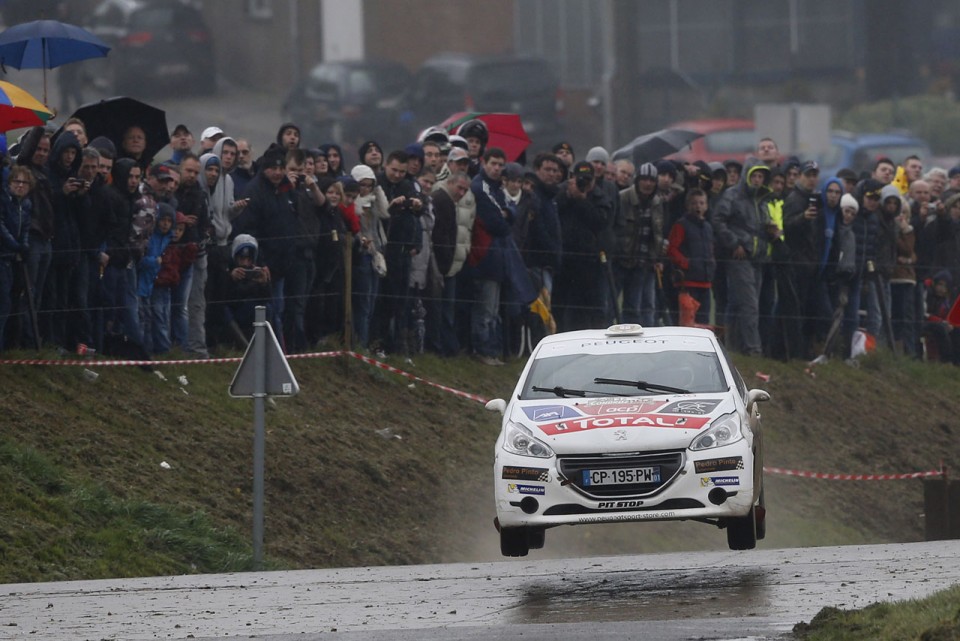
(562, 392)
(644, 385)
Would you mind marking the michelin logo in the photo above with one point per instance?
(520, 488)
(719, 481)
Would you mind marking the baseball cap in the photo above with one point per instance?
(180, 129)
(582, 168)
(163, 172)
(457, 154)
(810, 166)
(211, 132)
(954, 171)
(563, 146)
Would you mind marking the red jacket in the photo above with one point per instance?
(174, 261)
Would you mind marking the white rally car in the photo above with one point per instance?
(629, 424)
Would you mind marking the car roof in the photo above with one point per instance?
(647, 332)
(713, 124)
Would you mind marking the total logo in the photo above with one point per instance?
(624, 420)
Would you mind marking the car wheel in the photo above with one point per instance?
(742, 531)
(514, 541)
(536, 537)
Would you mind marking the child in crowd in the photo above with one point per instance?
(155, 319)
(176, 259)
(690, 249)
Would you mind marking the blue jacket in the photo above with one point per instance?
(149, 265)
(491, 229)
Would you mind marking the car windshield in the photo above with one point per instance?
(731, 141)
(528, 77)
(694, 371)
(376, 82)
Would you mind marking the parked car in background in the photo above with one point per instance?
(352, 101)
(526, 85)
(860, 152)
(723, 139)
(156, 46)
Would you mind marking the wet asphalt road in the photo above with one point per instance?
(709, 595)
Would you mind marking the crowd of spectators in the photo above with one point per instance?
(448, 245)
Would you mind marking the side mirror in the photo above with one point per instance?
(757, 396)
(496, 405)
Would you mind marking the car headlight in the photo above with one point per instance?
(724, 431)
(517, 439)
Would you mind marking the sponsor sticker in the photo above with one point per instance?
(615, 421)
(520, 488)
(541, 413)
(718, 465)
(692, 407)
(621, 406)
(719, 481)
(516, 473)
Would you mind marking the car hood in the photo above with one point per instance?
(618, 424)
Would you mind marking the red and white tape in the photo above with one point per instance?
(852, 477)
(455, 392)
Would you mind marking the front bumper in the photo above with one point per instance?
(715, 483)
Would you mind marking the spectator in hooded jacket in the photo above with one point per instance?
(15, 209)
(247, 286)
(62, 286)
(741, 228)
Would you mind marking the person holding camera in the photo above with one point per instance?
(584, 212)
(248, 285)
(639, 230)
(804, 231)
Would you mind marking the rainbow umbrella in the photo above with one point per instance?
(18, 109)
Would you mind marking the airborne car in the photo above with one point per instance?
(629, 424)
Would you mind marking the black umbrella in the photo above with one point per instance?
(654, 146)
(113, 116)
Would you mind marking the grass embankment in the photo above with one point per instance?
(366, 468)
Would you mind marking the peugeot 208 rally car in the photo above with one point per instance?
(629, 424)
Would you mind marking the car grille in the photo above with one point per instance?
(670, 464)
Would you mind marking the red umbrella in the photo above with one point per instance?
(506, 130)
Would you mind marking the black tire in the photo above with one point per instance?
(514, 541)
(536, 537)
(742, 531)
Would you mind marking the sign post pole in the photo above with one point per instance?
(263, 372)
(259, 431)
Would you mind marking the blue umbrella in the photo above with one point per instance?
(46, 44)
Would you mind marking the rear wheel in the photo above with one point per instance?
(742, 531)
(761, 512)
(536, 537)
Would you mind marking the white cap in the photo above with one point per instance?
(210, 132)
(362, 172)
(456, 154)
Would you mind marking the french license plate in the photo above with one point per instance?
(621, 476)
